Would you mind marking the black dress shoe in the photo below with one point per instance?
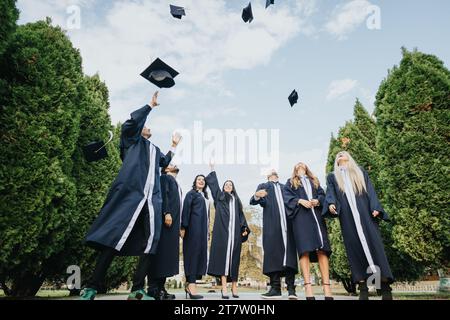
(224, 296)
(386, 291)
(192, 296)
(363, 291)
(291, 294)
(272, 294)
(167, 296)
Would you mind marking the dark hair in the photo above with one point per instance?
(205, 193)
(233, 192)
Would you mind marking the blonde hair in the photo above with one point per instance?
(295, 179)
(354, 171)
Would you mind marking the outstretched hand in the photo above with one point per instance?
(261, 193)
(211, 164)
(154, 102)
(176, 138)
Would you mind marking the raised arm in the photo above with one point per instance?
(213, 184)
(165, 160)
(132, 128)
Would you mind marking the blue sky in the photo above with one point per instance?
(238, 76)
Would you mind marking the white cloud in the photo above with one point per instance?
(32, 10)
(346, 18)
(208, 114)
(338, 89)
(120, 38)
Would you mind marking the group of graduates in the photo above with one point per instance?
(144, 215)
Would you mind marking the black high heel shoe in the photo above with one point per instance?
(224, 297)
(309, 298)
(234, 295)
(327, 298)
(192, 296)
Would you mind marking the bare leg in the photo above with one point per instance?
(193, 288)
(224, 284)
(325, 272)
(304, 265)
(234, 288)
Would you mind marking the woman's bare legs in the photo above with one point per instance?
(325, 272)
(304, 265)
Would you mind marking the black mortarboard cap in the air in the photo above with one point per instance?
(177, 12)
(160, 74)
(95, 151)
(247, 14)
(293, 98)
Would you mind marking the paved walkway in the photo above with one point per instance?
(243, 296)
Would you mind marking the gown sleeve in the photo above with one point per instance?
(131, 130)
(261, 201)
(373, 198)
(186, 214)
(165, 194)
(290, 199)
(244, 225)
(330, 198)
(213, 184)
(164, 160)
(321, 195)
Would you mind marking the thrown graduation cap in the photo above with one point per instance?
(247, 14)
(160, 74)
(269, 2)
(293, 98)
(177, 12)
(96, 151)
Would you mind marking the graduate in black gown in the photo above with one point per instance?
(195, 233)
(229, 232)
(129, 222)
(280, 255)
(352, 198)
(304, 198)
(165, 263)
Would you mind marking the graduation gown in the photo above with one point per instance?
(362, 238)
(277, 235)
(195, 221)
(229, 223)
(130, 219)
(165, 263)
(309, 226)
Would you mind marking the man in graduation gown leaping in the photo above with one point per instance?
(129, 223)
(280, 255)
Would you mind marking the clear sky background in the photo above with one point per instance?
(238, 76)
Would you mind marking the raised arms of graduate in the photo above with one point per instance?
(131, 130)
(213, 184)
(165, 160)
